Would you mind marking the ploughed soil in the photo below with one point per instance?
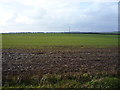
(57, 61)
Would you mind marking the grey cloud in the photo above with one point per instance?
(85, 16)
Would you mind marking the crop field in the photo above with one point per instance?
(38, 40)
(37, 60)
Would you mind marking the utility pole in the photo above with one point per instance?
(69, 29)
(118, 63)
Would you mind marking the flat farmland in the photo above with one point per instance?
(36, 60)
(38, 40)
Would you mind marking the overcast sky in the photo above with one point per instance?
(58, 15)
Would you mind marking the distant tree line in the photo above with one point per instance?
(111, 33)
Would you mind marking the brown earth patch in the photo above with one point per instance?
(42, 61)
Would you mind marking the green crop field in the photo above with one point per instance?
(39, 40)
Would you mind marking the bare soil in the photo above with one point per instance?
(57, 61)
